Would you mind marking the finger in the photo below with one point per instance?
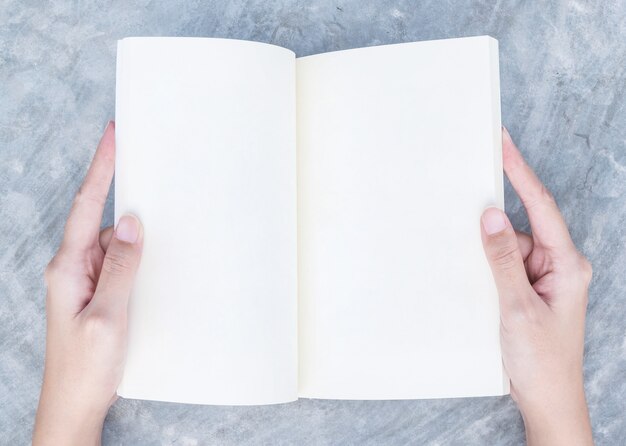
(105, 238)
(525, 243)
(83, 223)
(505, 259)
(119, 268)
(548, 227)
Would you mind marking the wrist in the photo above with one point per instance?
(559, 417)
(52, 428)
(65, 417)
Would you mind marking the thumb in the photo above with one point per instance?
(119, 266)
(505, 259)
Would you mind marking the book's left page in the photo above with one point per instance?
(205, 133)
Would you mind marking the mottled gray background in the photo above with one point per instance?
(562, 67)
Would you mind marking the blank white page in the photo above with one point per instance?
(399, 152)
(206, 158)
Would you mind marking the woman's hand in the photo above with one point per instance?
(89, 282)
(542, 282)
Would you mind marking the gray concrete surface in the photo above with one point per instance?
(563, 78)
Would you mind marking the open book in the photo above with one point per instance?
(312, 225)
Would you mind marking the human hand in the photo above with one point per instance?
(89, 282)
(542, 282)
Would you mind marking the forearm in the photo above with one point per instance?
(562, 421)
(55, 429)
(63, 421)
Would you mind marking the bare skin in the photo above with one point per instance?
(542, 282)
(89, 282)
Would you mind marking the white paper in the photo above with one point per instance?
(206, 152)
(398, 154)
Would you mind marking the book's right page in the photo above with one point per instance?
(399, 152)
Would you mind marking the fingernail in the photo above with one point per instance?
(127, 229)
(494, 221)
(506, 133)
